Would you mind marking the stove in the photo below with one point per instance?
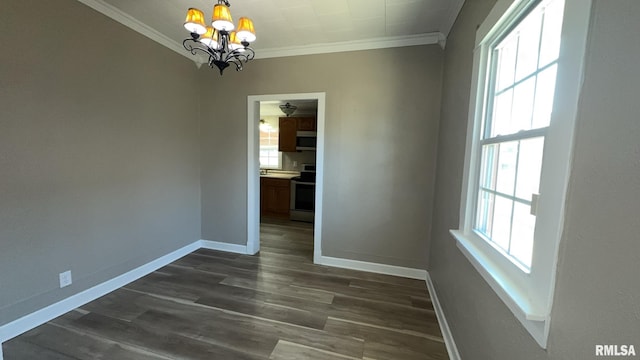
(303, 194)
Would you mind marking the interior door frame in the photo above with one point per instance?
(253, 168)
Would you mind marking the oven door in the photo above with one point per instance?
(303, 195)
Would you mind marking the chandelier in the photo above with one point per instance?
(288, 109)
(220, 42)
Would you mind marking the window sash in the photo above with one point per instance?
(492, 91)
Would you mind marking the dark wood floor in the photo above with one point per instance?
(277, 305)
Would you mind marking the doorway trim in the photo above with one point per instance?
(253, 168)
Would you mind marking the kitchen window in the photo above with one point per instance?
(527, 70)
(270, 157)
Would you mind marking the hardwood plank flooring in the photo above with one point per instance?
(275, 305)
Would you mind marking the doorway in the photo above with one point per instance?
(253, 168)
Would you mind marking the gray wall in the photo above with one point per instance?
(597, 293)
(99, 156)
(381, 125)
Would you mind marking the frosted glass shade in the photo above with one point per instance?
(194, 22)
(245, 31)
(221, 19)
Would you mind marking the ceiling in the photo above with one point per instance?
(304, 107)
(297, 27)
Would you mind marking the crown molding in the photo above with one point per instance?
(447, 23)
(356, 45)
(136, 25)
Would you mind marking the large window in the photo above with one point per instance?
(527, 72)
(522, 78)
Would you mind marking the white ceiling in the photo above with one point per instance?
(294, 27)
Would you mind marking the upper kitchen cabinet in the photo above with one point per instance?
(307, 124)
(289, 126)
(287, 136)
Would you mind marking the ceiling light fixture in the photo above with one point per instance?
(288, 109)
(220, 42)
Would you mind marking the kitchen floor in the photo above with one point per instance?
(275, 305)
(284, 236)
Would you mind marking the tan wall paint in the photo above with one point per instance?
(99, 162)
(381, 124)
(597, 293)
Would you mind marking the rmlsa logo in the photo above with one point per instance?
(615, 350)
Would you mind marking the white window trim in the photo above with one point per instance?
(528, 296)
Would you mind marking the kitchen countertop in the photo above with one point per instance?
(278, 174)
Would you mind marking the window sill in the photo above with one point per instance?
(534, 318)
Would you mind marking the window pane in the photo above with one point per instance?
(522, 106)
(522, 234)
(545, 90)
(552, 26)
(484, 215)
(269, 137)
(529, 165)
(505, 71)
(508, 154)
(488, 166)
(501, 229)
(502, 114)
(528, 44)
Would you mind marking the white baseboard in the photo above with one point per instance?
(371, 267)
(452, 349)
(216, 245)
(39, 317)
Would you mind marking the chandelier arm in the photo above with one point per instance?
(237, 63)
(239, 57)
(235, 57)
(248, 53)
(189, 45)
(244, 55)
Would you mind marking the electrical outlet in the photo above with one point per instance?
(295, 164)
(65, 278)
